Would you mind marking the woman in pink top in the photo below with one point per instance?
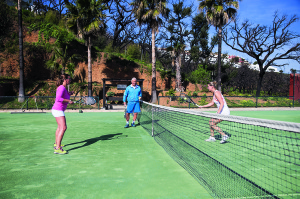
(223, 109)
(61, 102)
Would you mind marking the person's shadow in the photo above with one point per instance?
(93, 140)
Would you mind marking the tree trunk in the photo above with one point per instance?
(259, 82)
(79, 34)
(178, 74)
(21, 58)
(89, 67)
(153, 93)
(219, 58)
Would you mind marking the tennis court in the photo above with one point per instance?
(105, 160)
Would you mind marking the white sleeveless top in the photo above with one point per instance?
(225, 109)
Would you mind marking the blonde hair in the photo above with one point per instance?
(214, 84)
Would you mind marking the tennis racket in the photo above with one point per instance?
(125, 111)
(187, 98)
(86, 100)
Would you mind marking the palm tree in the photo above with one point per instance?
(148, 12)
(21, 57)
(62, 60)
(219, 13)
(176, 51)
(85, 18)
(178, 36)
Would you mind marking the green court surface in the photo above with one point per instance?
(104, 161)
(286, 116)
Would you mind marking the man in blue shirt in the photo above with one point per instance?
(132, 94)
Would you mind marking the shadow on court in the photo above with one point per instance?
(94, 140)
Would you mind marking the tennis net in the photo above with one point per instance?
(260, 160)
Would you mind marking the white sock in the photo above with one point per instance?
(127, 122)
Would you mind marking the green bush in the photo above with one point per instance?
(52, 17)
(109, 48)
(204, 88)
(171, 92)
(198, 76)
(133, 52)
(247, 103)
(202, 101)
(110, 94)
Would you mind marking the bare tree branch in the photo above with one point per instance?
(265, 44)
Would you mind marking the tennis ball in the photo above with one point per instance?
(185, 98)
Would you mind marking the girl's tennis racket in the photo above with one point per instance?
(86, 100)
(187, 98)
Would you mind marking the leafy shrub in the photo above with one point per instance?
(109, 48)
(247, 103)
(133, 52)
(171, 92)
(204, 88)
(198, 76)
(110, 94)
(202, 101)
(52, 17)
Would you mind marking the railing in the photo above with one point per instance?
(232, 101)
(46, 102)
(40, 103)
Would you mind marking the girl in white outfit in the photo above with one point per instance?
(223, 109)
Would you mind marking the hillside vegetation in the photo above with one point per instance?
(50, 48)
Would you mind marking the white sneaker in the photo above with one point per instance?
(224, 138)
(211, 139)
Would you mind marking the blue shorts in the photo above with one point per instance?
(133, 107)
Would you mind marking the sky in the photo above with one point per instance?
(262, 12)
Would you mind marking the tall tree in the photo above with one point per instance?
(21, 57)
(149, 12)
(179, 32)
(123, 26)
(85, 17)
(61, 59)
(219, 13)
(266, 44)
(200, 48)
(5, 22)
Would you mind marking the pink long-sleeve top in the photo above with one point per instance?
(61, 94)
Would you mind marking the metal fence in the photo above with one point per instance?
(40, 103)
(46, 102)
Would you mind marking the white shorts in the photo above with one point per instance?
(57, 113)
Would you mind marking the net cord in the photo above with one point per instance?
(279, 125)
